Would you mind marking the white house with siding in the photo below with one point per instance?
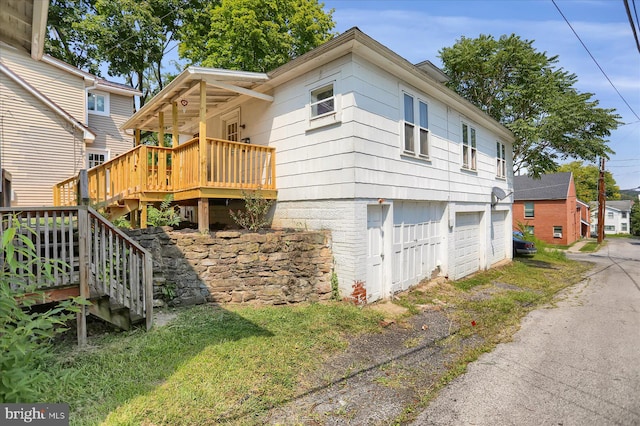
(412, 180)
(55, 120)
(617, 217)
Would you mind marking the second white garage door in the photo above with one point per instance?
(467, 244)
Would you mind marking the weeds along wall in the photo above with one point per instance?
(272, 268)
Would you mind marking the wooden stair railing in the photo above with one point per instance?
(95, 260)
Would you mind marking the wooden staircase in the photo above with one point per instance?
(93, 258)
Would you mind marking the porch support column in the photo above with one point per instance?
(143, 215)
(203, 133)
(203, 215)
(161, 128)
(174, 125)
(137, 141)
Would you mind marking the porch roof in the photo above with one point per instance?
(223, 86)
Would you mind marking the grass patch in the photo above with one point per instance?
(209, 365)
(589, 247)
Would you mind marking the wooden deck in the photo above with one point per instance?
(89, 257)
(190, 172)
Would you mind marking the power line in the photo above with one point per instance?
(594, 60)
(633, 27)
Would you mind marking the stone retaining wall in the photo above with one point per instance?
(277, 267)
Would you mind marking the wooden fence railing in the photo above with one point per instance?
(158, 169)
(86, 250)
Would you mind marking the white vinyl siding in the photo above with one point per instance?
(107, 128)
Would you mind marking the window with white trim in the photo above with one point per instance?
(469, 149)
(528, 209)
(323, 101)
(501, 162)
(96, 157)
(98, 103)
(415, 128)
(557, 232)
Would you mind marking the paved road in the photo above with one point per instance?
(577, 364)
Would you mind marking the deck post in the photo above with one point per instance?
(203, 215)
(143, 215)
(138, 137)
(202, 135)
(84, 249)
(161, 128)
(174, 125)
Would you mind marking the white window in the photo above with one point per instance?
(501, 162)
(98, 103)
(322, 101)
(609, 215)
(96, 157)
(469, 150)
(415, 130)
(623, 227)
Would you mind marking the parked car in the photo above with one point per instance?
(522, 246)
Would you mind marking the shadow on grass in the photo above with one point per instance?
(536, 263)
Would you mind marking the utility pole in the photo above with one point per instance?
(601, 203)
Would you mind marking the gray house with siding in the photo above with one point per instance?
(55, 120)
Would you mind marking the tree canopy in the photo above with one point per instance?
(254, 35)
(525, 90)
(586, 178)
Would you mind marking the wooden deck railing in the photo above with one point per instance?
(232, 165)
(87, 252)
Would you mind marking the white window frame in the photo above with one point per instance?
(95, 151)
(329, 117)
(106, 102)
(557, 232)
(415, 126)
(316, 103)
(532, 209)
(469, 146)
(501, 160)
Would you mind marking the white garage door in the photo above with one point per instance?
(467, 244)
(498, 235)
(416, 242)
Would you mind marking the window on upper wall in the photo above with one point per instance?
(528, 209)
(415, 128)
(501, 162)
(469, 149)
(322, 101)
(609, 215)
(624, 215)
(98, 103)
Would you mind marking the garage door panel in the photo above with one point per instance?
(467, 244)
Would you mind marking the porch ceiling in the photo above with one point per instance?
(223, 86)
(23, 24)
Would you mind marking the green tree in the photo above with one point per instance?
(586, 181)
(131, 37)
(253, 35)
(526, 91)
(635, 218)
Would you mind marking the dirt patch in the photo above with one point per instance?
(395, 366)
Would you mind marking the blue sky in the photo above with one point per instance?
(416, 30)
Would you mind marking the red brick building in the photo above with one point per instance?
(549, 208)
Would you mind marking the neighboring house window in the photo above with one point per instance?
(501, 162)
(609, 215)
(98, 103)
(557, 232)
(528, 209)
(623, 227)
(609, 228)
(416, 129)
(469, 150)
(95, 158)
(624, 215)
(322, 101)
